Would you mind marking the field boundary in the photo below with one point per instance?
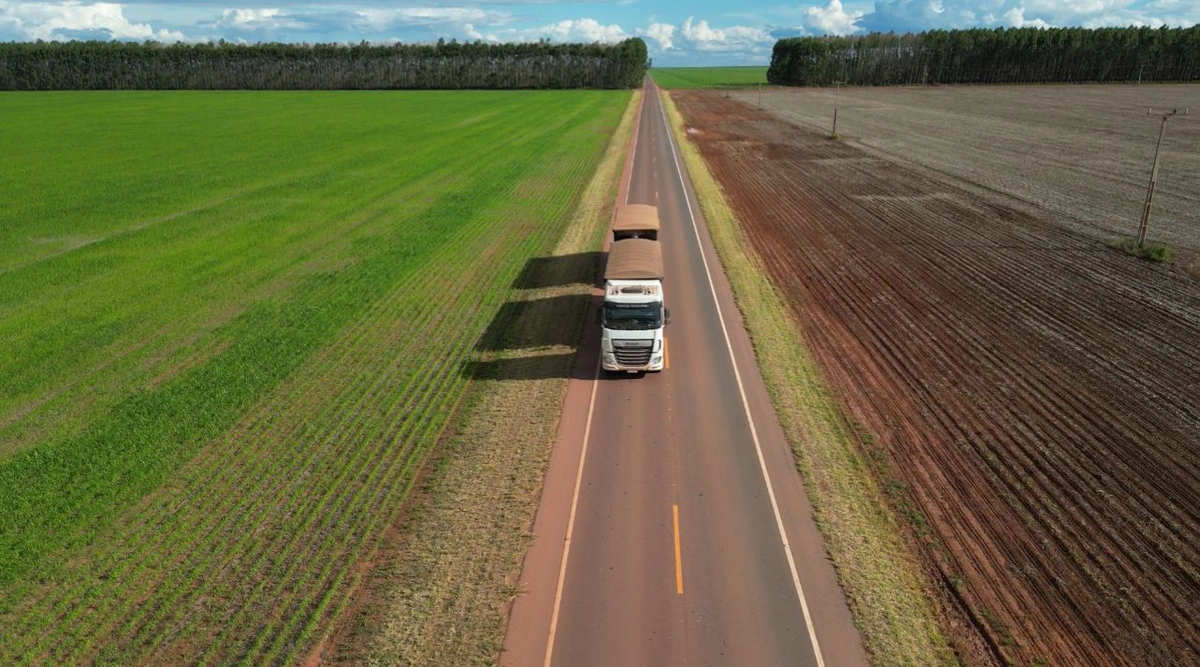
(881, 578)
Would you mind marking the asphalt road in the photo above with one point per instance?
(673, 527)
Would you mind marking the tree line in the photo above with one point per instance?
(94, 65)
(1012, 55)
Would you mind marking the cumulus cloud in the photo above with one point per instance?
(831, 19)
(662, 34)
(572, 30)
(736, 44)
(583, 30)
(700, 36)
(259, 19)
(63, 21)
(407, 17)
(1015, 18)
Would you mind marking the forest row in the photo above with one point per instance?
(1013, 55)
(114, 65)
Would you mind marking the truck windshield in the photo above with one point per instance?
(632, 315)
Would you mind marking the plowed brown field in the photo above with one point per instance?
(1079, 154)
(1037, 392)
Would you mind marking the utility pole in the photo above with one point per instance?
(1144, 225)
(835, 107)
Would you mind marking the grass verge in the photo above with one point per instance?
(440, 592)
(878, 573)
(1151, 250)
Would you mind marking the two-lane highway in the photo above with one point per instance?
(673, 528)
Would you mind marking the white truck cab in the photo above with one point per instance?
(633, 317)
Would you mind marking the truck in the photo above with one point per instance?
(636, 221)
(633, 317)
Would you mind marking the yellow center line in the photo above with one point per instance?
(666, 354)
(678, 555)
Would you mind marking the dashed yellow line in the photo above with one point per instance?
(678, 555)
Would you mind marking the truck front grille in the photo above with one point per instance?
(632, 356)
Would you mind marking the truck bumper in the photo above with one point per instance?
(609, 363)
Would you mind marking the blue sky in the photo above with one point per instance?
(678, 32)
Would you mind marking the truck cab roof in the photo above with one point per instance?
(633, 291)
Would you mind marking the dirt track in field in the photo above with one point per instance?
(1037, 392)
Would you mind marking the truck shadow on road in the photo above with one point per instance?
(529, 336)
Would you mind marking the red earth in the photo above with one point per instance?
(1037, 394)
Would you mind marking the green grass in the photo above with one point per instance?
(234, 326)
(1152, 251)
(686, 78)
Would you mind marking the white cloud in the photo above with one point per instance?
(832, 19)
(583, 30)
(571, 30)
(1073, 7)
(1015, 18)
(62, 21)
(258, 19)
(461, 17)
(662, 33)
(698, 35)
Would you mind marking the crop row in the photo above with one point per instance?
(253, 543)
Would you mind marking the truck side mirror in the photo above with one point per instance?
(599, 315)
(666, 316)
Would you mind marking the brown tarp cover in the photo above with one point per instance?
(636, 218)
(634, 259)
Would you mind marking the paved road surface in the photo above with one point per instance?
(677, 514)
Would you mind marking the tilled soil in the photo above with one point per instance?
(1037, 393)
(1078, 154)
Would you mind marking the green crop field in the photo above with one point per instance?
(234, 325)
(680, 78)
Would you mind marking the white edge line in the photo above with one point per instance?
(562, 568)
(637, 129)
(787, 549)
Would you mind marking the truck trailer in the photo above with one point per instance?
(633, 317)
(636, 221)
